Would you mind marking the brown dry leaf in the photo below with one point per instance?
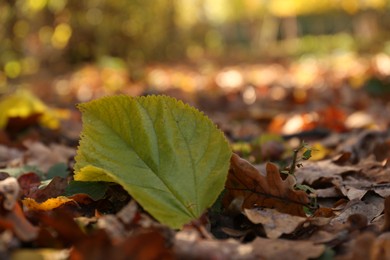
(29, 183)
(342, 158)
(188, 245)
(386, 225)
(147, 244)
(374, 171)
(371, 207)
(128, 212)
(114, 228)
(17, 222)
(353, 193)
(286, 249)
(367, 143)
(55, 188)
(11, 214)
(370, 175)
(337, 233)
(46, 156)
(58, 227)
(270, 191)
(368, 247)
(326, 169)
(275, 223)
(9, 155)
(331, 192)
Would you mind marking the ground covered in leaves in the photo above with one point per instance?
(333, 205)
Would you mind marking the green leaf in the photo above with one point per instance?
(307, 154)
(59, 169)
(169, 156)
(95, 190)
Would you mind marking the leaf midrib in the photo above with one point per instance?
(192, 163)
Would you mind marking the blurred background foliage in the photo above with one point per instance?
(54, 36)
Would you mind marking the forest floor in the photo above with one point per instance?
(337, 106)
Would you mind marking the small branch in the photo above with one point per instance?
(295, 156)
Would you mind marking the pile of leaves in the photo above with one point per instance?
(153, 178)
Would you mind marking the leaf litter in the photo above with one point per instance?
(261, 214)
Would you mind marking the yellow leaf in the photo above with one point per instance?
(49, 204)
(24, 104)
(319, 152)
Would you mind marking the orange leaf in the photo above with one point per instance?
(49, 204)
(270, 191)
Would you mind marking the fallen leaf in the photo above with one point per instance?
(368, 246)
(44, 253)
(8, 154)
(286, 249)
(128, 212)
(45, 156)
(386, 225)
(29, 183)
(188, 246)
(371, 207)
(15, 220)
(319, 152)
(270, 191)
(114, 228)
(55, 188)
(147, 244)
(22, 109)
(67, 231)
(275, 223)
(366, 143)
(353, 193)
(166, 154)
(331, 192)
(49, 204)
(326, 169)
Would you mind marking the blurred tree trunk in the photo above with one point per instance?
(289, 28)
(268, 32)
(366, 26)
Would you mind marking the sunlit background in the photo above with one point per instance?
(86, 49)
